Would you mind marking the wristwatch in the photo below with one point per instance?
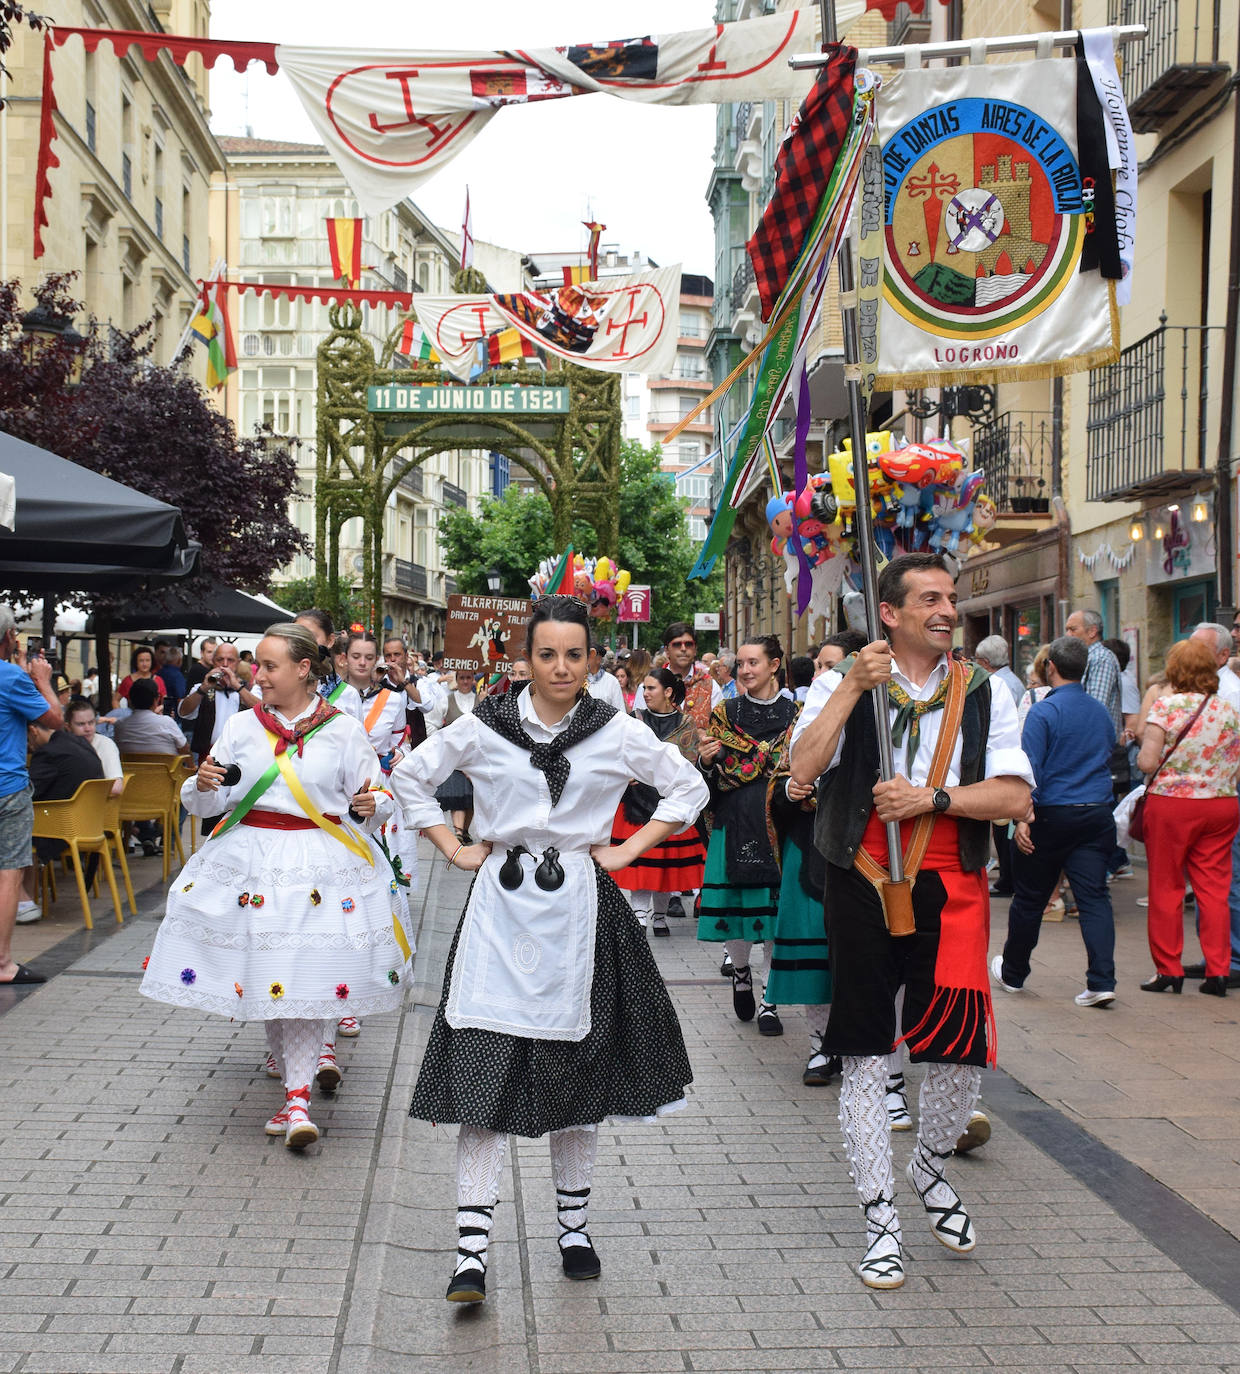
(941, 799)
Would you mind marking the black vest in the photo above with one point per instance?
(845, 794)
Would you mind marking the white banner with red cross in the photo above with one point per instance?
(620, 324)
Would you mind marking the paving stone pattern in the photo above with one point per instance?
(147, 1224)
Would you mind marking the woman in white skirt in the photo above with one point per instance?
(283, 915)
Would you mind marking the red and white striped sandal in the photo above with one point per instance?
(278, 1123)
(328, 1075)
(273, 1069)
(349, 1027)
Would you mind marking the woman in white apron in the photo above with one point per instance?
(553, 1015)
(283, 915)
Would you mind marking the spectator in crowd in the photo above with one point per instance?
(205, 662)
(1190, 752)
(993, 655)
(247, 656)
(702, 692)
(800, 675)
(599, 682)
(1068, 745)
(520, 670)
(639, 668)
(1218, 639)
(173, 678)
(90, 685)
(25, 696)
(835, 650)
(1235, 641)
(146, 730)
(215, 700)
(1124, 759)
(723, 670)
(1038, 687)
(626, 690)
(1129, 687)
(1102, 673)
(59, 763)
(141, 669)
(80, 720)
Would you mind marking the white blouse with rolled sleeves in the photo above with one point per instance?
(336, 763)
(525, 958)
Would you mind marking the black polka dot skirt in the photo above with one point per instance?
(632, 1062)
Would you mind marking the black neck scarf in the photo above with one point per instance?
(502, 714)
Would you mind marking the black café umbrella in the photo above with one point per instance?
(222, 609)
(76, 530)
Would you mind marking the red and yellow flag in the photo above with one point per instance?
(344, 238)
(505, 345)
(596, 233)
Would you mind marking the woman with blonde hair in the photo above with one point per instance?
(283, 916)
(1190, 750)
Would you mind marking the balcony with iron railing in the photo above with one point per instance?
(1176, 61)
(742, 280)
(1016, 452)
(454, 495)
(1149, 420)
(410, 577)
(909, 26)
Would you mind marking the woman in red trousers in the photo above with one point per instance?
(1191, 750)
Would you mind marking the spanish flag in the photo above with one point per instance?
(415, 343)
(574, 276)
(506, 345)
(344, 238)
(560, 583)
(210, 326)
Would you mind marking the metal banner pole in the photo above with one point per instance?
(897, 892)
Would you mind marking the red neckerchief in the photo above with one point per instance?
(321, 714)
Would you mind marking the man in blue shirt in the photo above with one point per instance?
(25, 695)
(1068, 737)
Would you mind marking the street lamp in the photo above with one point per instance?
(975, 403)
(42, 329)
(495, 581)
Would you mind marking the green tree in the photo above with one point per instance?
(298, 595)
(513, 534)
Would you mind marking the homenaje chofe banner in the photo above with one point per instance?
(983, 228)
(483, 632)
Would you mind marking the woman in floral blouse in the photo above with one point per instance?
(1191, 816)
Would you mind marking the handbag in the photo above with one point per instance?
(1136, 817)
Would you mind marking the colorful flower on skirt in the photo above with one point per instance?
(237, 988)
(276, 990)
(188, 976)
(146, 961)
(348, 904)
(187, 887)
(730, 760)
(257, 899)
(748, 768)
(342, 990)
(393, 976)
(315, 897)
(244, 899)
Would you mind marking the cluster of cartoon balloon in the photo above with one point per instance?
(923, 496)
(599, 582)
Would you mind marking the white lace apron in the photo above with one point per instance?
(525, 960)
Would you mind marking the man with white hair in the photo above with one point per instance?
(992, 653)
(1217, 638)
(26, 698)
(723, 670)
(1102, 668)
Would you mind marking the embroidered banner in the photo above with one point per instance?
(984, 224)
(621, 324)
(392, 119)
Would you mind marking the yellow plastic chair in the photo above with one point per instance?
(153, 793)
(81, 823)
(115, 833)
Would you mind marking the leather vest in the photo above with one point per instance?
(845, 794)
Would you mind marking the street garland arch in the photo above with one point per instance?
(574, 459)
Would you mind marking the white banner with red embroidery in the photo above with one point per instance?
(984, 223)
(620, 324)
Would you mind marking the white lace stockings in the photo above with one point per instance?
(479, 1164)
(296, 1045)
(867, 1140)
(949, 1093)
(573, 1153)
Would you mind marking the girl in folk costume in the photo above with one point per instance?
(553, 1015)
(334, 689)
(456, 793)
(740, 752)
(800, 971)
(676, 865)
(283, 915)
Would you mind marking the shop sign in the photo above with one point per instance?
(635, 604)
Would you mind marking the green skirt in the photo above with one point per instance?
(800, 969)
(731, 911)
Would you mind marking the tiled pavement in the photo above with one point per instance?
(147, 1224)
